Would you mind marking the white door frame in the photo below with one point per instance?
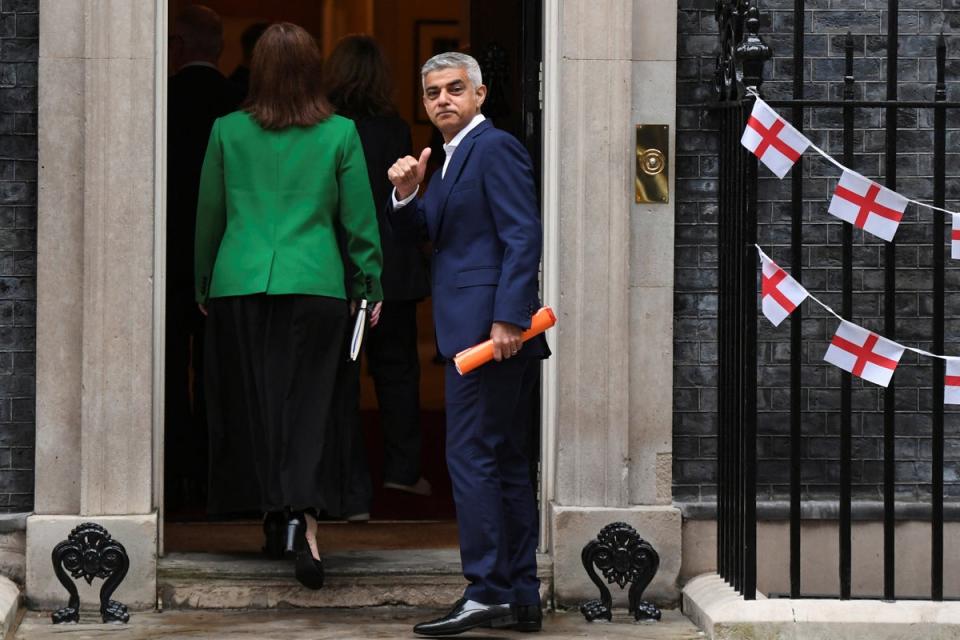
(159, 260)
(551, 259)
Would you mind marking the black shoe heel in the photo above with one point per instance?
(309, 572)
(294, 535)
(505, 621)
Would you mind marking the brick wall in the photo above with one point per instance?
(18, 249)
(695, 370)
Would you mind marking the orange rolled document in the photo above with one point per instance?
(478, 355)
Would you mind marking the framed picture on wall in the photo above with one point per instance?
(430, 37)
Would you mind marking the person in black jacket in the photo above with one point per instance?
(248, 40)
(357, 81)
(197, 94)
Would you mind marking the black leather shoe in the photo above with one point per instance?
(460, 619)
(529, 617)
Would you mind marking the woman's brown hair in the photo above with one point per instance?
(358, 79)
(286, 81)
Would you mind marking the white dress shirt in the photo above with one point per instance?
(448, 149)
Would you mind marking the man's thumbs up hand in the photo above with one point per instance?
(407, 173)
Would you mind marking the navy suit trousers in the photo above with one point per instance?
(488, 425)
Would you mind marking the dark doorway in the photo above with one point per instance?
(505, 36)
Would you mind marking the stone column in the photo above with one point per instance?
(614, 343)
(95, 349)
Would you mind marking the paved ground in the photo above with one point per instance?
(341, 624)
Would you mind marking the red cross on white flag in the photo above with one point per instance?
(773, 139)
(951, 382)
(863, 353)
(867, 205)
(781, 294)
(955, 237)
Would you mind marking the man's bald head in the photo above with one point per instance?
(198, 32)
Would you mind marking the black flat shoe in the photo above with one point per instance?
(309, 572)
(529, 617)
(460, 619)
(273, 530)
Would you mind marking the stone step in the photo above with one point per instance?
(417, 578)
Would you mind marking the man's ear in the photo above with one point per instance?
(481, 94)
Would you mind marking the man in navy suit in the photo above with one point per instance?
(480, 211)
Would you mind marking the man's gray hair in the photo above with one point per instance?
(452, 60)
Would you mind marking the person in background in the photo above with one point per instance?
(270, 276)
(357, 84)
(248, 40)
(197, 95)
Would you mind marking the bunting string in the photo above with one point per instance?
(764, 257)
(779, 145)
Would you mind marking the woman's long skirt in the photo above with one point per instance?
(271, 379)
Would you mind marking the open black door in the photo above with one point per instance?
(506, 38)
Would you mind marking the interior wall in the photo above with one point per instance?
(395, 27)
(393, 22)
(237, 15)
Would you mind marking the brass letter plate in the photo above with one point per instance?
(653, 159)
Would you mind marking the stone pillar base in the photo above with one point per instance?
(574, 527)
(138, 535)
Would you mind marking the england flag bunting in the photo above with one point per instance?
(863, 353)
(773, 139)
(867, 205)
(951, 382)
(955, 237)
(781, 294)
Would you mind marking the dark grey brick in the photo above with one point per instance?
(19, 50)
(15, 435)
(21, 6)
(28, 25)
(18, 99)
(26, 74)
(23, 410)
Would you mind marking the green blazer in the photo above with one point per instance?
(272, 205)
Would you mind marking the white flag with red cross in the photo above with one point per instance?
(863, 353)
(773, 139)
(867, 205)
(951, 382)
(955, 237)
(780, 293)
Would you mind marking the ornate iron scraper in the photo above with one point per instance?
(623, 557)
(89, 552)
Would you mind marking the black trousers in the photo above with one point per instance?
(272, 368)
(395, 367)
(488, 427)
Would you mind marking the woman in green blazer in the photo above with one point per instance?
(282, 181)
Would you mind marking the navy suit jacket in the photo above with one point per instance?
(484, 223)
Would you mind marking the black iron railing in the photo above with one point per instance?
(739, 71)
